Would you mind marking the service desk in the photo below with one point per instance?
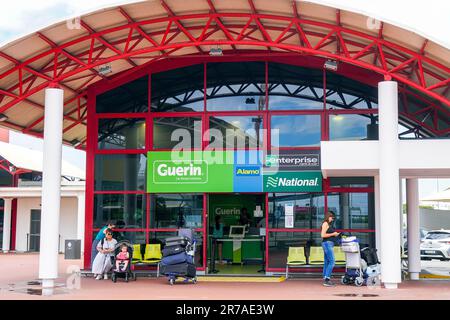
(238, 256)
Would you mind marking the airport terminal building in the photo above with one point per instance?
(275, 110)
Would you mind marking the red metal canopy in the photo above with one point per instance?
(130, 36)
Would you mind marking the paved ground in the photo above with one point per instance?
(18, 270)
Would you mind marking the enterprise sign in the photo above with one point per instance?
(294, 160)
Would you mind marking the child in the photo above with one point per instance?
(122, 259)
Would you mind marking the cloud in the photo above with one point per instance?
(20, 17)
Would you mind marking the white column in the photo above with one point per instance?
(80, 219)
(413, 221)
(7, 224)
(389, 184)
(51, 186)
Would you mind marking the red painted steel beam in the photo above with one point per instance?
(243, 39)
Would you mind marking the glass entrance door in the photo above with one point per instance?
(35, 230)
(236, 233)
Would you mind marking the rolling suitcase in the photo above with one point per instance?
(172, 250)
(178, 258)
(181, 269)
(176, 241)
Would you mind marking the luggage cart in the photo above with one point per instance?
(354, 273)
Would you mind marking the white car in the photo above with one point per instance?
(436, 245)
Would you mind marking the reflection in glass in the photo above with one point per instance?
(351, 182)
(353, 127)
(176, 211)
(129, 98)
(177, 133)
(353, 210)
(120, 172)
(125, 210)
(178, 90)
(121, 133)
(236, 132)
(295, 131)
(308, 209)
(235, 86)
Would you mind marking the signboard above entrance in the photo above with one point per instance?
(231, 171)
(194, 171)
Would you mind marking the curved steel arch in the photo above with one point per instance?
(390, 59)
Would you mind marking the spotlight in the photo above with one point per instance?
(250, 101)
(215, 52)
(3, 117)
(105, 69)
(331, 65)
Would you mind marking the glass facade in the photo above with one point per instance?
(177, 133)
(235, 86)
(236, 132)
(176, 211)
(126, 211)
(231, 105)
(121, 133)
(295, 131)
(309, 209)
(120, 172)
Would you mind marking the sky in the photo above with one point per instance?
(429, 18)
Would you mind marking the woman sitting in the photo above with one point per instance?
(102, 263)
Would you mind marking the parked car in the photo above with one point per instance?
(436, 245)
(423, 234)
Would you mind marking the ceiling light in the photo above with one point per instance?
(215, 52)
(3, 117)
(331, 65)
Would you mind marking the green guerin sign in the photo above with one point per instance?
(287, 181)
(193, 171)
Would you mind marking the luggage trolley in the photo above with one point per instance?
(178, 257)
(353, 263)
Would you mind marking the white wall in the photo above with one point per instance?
(67, 225)
(431, 219)
(417, 158)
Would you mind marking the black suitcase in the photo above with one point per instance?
(176, 241)
(172, 250)
(182, 269)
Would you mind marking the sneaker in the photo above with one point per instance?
(105, 277)
(99, 277)
(328, 283)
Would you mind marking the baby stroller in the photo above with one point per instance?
(361, 267)
(126, 273)
(178, 257)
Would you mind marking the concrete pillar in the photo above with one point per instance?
(413, 222)
(389, 184)
(80, 218)
(344, 199)
(7, 224)
(51, 186)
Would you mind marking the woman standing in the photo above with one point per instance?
(329, 239)
(102, 262)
